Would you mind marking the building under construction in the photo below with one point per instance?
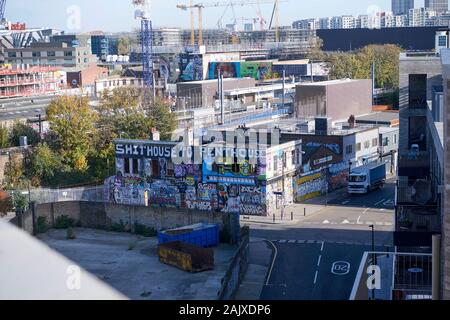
(23, 80)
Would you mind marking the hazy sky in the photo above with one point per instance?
(118, 15)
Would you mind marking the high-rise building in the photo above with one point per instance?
(440, 6)
(400, 7)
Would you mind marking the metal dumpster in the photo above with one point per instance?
(202, 234)
(186, 256)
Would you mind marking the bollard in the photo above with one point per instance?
(304, 212)
(274, 218)
(292, 216)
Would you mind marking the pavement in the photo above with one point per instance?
(137, 273)
(258, 268)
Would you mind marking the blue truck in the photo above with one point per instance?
(364, 179)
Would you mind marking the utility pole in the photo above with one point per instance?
(373, 83)
(222, 110)
(284, 87)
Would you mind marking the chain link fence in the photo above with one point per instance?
(88, 194)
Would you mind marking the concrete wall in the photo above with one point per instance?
(336, 100)
(446, 210)
(102, 216)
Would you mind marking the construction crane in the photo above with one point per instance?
(2, 9)
(276, 17)
(218, 4)
(143, 14)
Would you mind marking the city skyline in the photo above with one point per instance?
(90, 20)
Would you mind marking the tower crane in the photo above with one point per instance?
(2, 9)
(218, 4)
(143, 14)
(2, 12)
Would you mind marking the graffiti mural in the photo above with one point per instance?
(309, 187)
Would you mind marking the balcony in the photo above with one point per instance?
(404, 276)
(420, 192)
(414, 164)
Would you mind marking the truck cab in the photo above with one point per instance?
(364, 179)
(358, 183)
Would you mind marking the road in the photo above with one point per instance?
(27, 108)
(338, 235)
(23, 107)
(313, 271)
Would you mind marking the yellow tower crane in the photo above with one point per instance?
(218, 4)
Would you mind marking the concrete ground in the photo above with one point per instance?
(137, 273)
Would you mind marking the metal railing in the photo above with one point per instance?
(87, 194)
(400, 276)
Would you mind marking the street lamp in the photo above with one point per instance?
(374, 257)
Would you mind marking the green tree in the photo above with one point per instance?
(123, 46)
(164, 120)
(43, 165)
(14, 173)
(358, 65)
(122, 115)
(315, 52)
(4, 137)
(73, 122)
(20, 129)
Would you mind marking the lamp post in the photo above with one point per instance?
(374, 257)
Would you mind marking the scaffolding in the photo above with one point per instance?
(24, 81)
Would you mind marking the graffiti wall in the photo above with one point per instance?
(309, 187)
(191, 67)
(227, 69)
(256, 70)
(234, 193)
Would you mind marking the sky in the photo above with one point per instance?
(118, 15)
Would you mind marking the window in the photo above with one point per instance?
(127, 166)
(367, 145)
(395, 139)
(67, 53)
(170, 169)
(349, 149)
(375, 143)
(51, 54)
(442, 40)
(358, 146)
(155, 168)
(36, 54)
(385, 141)
(417, 90)
(135, 166)
(293, 158)
(12, 54)
(275, 163)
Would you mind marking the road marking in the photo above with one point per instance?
(340, 268)
(292, 241)
(323, 244)
(379, 223)
(318, 262)
(369, 223)
(273, 262)
(282, 241)
(326, 222)
(380, 202)
(346, 222)
(359, 218)
(346, 202)
(315, 277)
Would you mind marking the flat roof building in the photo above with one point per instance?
(335, 99)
